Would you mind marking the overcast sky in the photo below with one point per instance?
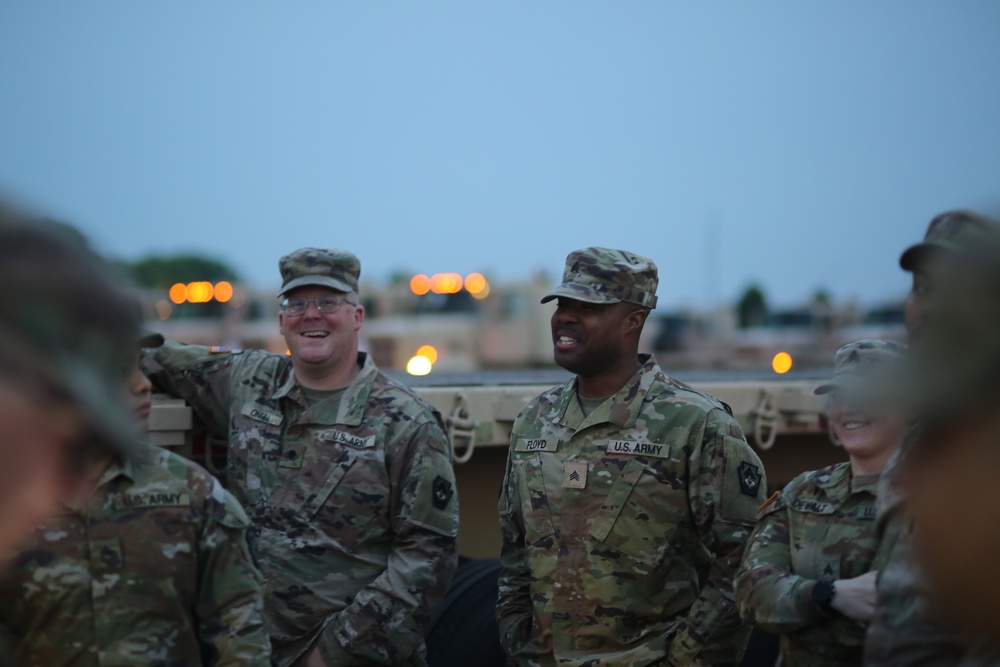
(799, 145)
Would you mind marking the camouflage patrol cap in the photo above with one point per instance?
(953, 231)
(65, 325)
(604, 275)
(333, 268)
(863, 361)
(956, 354)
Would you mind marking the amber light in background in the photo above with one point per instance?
(782, 363)
(420, 284)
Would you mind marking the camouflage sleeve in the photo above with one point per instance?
(726, 486)
(513, 601)
(198, 375)
(769, 594)
(385, 622)
(230, 607)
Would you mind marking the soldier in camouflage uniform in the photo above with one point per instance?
(346, 474)
(151, 569)
(65, 331)
(952, 467)
(810, 567)
(628, 496)
(906, 629)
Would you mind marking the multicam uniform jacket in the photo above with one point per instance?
(154, 572)
(622, 530)
(821, 527)
(352, 501)
(904, 630)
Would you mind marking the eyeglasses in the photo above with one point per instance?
(327, 305)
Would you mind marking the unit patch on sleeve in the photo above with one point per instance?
(749, 475)
(441, 492)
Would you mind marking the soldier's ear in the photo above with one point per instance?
(635, 319)
(359, 317)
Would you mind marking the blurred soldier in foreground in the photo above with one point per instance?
(907, 629)
(628, 496)
(65, 332)
(346, 474)
(810, 567)
(152, 568)
(953, 469)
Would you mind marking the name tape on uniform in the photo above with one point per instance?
(255, 412)
(137, 500)
(633, 448)
(355, 441)
(536, 445)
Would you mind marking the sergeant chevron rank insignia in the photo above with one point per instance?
(749, 475)
(575, 475)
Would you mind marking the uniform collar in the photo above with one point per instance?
(349, 410)
(840, 476)
(622, 409)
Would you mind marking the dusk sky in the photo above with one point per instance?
(797, 145)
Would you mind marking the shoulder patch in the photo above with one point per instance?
(749, 475)
(442, 491)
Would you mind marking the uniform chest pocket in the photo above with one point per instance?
(537, 516)
(350, 493)
(163, 540)
(640, 514)
(254, 445)
(816, 551)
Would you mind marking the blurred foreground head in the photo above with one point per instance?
(954, 470)
(67, 335)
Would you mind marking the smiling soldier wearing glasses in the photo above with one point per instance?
(346, 474)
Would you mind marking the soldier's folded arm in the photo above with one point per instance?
(386, 621)
(514, 597)
(723, 506)
(768, 594)
(198, 374)
(229, 609)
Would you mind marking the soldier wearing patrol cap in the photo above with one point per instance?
(945, 310)
(811, 563)
(65, 332)
(628, 496)
(346, 474)
(150, 568)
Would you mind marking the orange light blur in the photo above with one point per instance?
(782, 363)
(200, 292)
(179, 293)
(439, 283)
(428, 351)
(475, 283)
(483, 293)
(420, 284)
(223, 291)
